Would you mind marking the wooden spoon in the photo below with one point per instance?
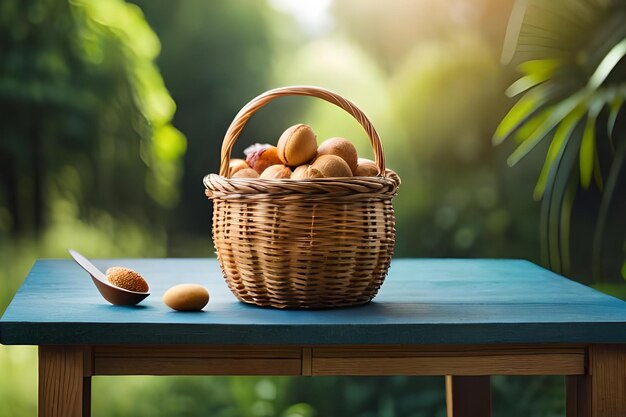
(111, 293)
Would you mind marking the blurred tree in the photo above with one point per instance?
(216, 56)
(84, 114)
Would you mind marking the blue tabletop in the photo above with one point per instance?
(422, 301)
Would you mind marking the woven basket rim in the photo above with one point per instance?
(218, 185)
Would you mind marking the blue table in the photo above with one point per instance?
(466, 319)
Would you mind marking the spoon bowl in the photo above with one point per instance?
(111, 293)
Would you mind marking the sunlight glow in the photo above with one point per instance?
(313, 15)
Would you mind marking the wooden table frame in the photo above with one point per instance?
(596, 374)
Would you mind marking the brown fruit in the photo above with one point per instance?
(366, 168)
(297, 145)
(236, 165)
(341, 147)
(332, 166)
(277, 171)
(305, 172)
(263, 158)
(246, 173)
(127, 279)
(186, 297)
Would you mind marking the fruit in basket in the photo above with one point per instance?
(127, 279)
(277, 171)
(342, 148)
(297, 145)
(246, 173)
(297, 149)
(236, 165)
(366, 168)
(263, 158)
(332, 166)
(306, 171)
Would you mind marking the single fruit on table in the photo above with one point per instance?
(342, 148)
(305, 171)
(366, 168)
(332, 166)
(236, 165)
(297, 145)
(278, 171)
(186, 297)
(246, 173)
(263, 158)
(127, 279)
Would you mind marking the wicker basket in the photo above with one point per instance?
(314, 243)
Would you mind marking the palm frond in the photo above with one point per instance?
(522, 133)
(559, 112)
(605, 205)
(560, 139)
(525, 83)
(537, 71)
(573, 65)
(562, 27)
(528, 106)
(606, 36)
(597, 172)
(539, 66)
(565, 221)
(614, 109)
(513, 29)
(607, 64)
(587, 151)
(563, 174)
(546, 104)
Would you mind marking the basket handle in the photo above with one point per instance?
(240, 120)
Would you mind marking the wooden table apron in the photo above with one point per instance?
(466, 319)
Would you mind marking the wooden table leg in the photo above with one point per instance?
(64, 384)
(87, 396)
(602, 391)
(468, 396)
(577, 404)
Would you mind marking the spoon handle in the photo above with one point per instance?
(87, 265)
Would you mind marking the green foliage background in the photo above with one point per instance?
(112, 112)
